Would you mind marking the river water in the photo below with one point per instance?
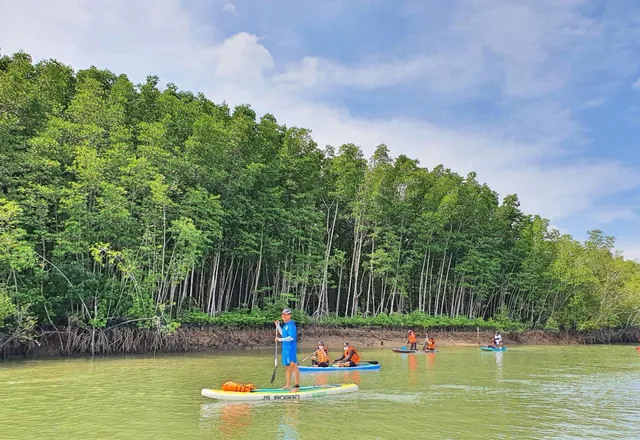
(527, 392)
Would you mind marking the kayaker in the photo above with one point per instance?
(321, 356)
(429, 344)
(497, 339)
(350, 357)
(411, 339)
(289, 339)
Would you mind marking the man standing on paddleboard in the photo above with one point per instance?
(289, 339)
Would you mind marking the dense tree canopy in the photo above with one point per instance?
(127, 202)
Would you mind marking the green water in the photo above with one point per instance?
(528, 392)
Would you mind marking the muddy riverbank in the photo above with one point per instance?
(126, 340)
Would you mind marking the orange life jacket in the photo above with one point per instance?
(322, 355)
(355, 358)
(412, 338)
(232, 386)
(431, 344)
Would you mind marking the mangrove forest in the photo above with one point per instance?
(151, 207)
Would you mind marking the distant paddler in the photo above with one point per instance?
(429, 344)
(412, 341)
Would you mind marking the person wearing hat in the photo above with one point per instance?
(289, 338)
(350, 357)
(412, 341)
(321, 356)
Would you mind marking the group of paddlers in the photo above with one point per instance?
(412, 342)
(351, 358)
(321, 358)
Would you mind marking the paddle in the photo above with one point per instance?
(308, 356)
(273, 376)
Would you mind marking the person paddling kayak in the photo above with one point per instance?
(429, 344)
(350, 357)
(321, 356)
(497, 340)
(289, 333)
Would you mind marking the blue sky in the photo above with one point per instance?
(540, 98)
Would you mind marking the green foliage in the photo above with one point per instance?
(128, 203)
(7, 308)
(259, 319)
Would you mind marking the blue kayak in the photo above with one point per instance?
(323, 369)
(489, 348)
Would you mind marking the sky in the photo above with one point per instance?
(540, 98)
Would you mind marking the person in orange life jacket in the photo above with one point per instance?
(321, 356)
(429, 344)
(350, 357)
(411, 339)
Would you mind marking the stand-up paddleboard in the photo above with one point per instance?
(402, 350)
(489, 348)
(276, 394)
(360, 367)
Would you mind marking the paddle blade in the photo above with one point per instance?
(371, 362)
(273, 376)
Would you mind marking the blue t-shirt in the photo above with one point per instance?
(289, 329)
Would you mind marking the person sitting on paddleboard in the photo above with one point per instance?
(430, 344)
(497, 339)
(411, 339)
(350, 357)
(321, 356)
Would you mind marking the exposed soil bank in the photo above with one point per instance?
(123, 340)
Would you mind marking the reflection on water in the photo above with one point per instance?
(431, 360)
(234, 420)
(542, 392)
(287, 428)
(413, 366)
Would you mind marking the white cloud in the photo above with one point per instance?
(594, 103)
(441, 73)
(513, 156)
(239, 58)
(607, 214)
(230, 8)
(522, 38)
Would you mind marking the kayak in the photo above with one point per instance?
(402, 350)
(322, 369)
(489, 348)
(308, 392)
